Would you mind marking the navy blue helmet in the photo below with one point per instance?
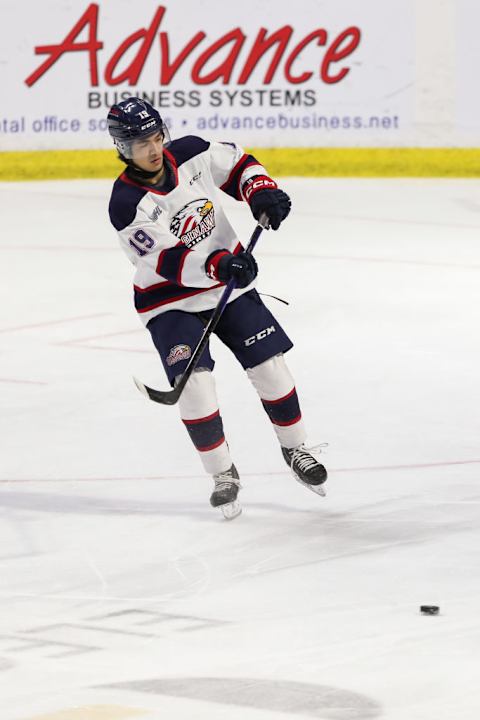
(132, 119)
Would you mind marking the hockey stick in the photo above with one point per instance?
(170, 397)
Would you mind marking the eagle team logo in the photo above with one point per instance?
(194, 222)
(177, 353)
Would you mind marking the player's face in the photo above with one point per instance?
(147, 153)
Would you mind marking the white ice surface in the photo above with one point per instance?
(123, 594)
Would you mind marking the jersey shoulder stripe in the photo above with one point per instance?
(126, 193)
(232, 185)
(186, 148)
(123, 203)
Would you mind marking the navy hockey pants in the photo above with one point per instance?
(246, 326)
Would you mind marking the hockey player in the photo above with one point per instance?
(167, 210)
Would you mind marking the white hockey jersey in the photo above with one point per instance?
(169, 235)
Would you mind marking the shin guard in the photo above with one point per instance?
(275, 386)
(200, 414)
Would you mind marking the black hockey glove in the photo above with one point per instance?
(222, 265)
(263, 196)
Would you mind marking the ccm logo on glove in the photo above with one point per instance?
(261, 182)
(263, 196)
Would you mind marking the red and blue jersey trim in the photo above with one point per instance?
(232, 185)
(171, 261)
(166, 291)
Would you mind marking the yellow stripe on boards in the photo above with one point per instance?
(372, 162)
(297, 162)
(59, 164)
(93, 712)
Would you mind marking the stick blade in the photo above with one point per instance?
(164, 397)
(141, 386)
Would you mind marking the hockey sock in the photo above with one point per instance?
(275, 386)
(200, 414)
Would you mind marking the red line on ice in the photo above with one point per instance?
(23, 382)
(52, 322)
(126, 478)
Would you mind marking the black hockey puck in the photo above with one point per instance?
(429, 609)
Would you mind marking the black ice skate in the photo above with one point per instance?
(224, 496)
(305, 468)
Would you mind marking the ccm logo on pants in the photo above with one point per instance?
(260, 335)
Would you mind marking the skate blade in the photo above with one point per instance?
(317, 489)
(231, 510)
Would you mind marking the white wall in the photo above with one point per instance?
(411, 81)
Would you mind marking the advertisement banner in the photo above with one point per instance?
(271, 74)
(467, 95)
